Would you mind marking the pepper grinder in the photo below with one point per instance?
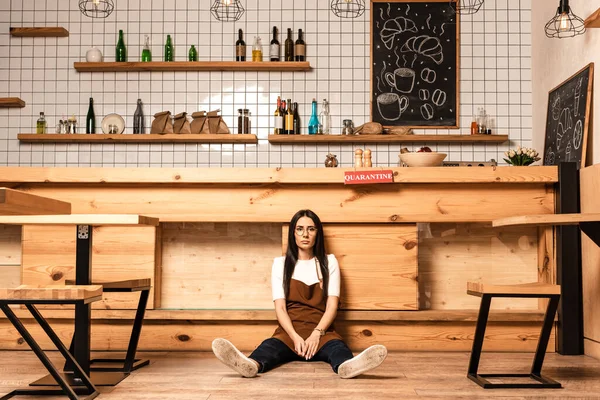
(358, 162)
(368, 163)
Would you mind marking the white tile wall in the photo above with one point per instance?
(495, 73)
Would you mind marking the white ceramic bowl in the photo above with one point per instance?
(423, 159)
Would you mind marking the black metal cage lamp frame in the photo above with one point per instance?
(565, 24)
(227, 10)
(96, 8)
(466, 7)
(348, 8)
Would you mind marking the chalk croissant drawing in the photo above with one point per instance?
(393, 27)
(565, 124)
(428, 46)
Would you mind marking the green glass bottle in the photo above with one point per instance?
(121, 53)
(169, 49)
(193, 56)
(146, 53)
(90, 120)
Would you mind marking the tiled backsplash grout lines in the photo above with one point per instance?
(495, 73)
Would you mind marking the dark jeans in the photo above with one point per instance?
(273, 352)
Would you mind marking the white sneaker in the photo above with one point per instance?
(233, 358)
(367, 360)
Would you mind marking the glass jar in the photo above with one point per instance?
(348, 128)
(243, 121)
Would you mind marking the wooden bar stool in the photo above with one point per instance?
(531, 290)
(129, 363)
(29, 296)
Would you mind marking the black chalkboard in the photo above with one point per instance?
(414, 64)
(568, 118)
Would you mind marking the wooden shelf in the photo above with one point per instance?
(16, 202)
(129, 138)
(545, 220)
(269, 315)
(593, 21)
(191, 66)
(295, 139)
(11, 102)
(39, 32)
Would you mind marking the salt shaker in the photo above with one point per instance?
(368, 163)
(358, 163)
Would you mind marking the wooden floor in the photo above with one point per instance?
(402, 376)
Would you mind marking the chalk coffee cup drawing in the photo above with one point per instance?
(391, 106)
(403, 79)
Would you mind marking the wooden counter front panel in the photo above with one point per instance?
(378, 265)
(48, 258)
(114, 335)
(218, 266)
(400, 203)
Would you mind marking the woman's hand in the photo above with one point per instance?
(299, 345)
(312, 343)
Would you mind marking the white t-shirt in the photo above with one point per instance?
(306, 272)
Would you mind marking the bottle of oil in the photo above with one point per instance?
(257, 53)
(41, 124)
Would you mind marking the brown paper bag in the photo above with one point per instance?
(181, 124)
(216, 124)
(199, 124)
(162, 123)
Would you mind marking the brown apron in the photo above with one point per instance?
(305, 306)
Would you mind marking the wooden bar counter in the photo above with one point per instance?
(406, 251)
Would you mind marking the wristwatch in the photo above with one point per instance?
(321, 331)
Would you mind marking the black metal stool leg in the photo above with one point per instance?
(484, 312)
(130, 362)
(136, 332)
(540, 353)
(66, 389)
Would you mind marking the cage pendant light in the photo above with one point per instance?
(565, 24)
(348, 8)
(227, 10)
(96, 8)
(466, 7)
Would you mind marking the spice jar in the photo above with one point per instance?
(243, 121)
(331, 161)
(348, 128)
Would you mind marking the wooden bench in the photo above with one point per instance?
(29, 296)
(531, 290)
(129, 363)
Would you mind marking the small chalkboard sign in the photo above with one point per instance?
(414, 63)
(568, 118)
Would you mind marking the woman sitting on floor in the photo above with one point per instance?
(306, 291)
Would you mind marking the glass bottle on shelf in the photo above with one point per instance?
(296, 121)
(41, 124)
(169, 49)
(139, 125)
(257, 53)
(90, 120)
(146, 53)
(278, 117)
(121, 52)
(325, 117)
(193, 54)
(240, 47)
(300, 49)
(313, 122)
(274, 52)
(289, 119)
(289, 47)
(243, 121)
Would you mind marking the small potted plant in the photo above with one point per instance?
(523, 156)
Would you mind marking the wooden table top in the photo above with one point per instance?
(15, 202)
(79, 219)
(547, 219)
